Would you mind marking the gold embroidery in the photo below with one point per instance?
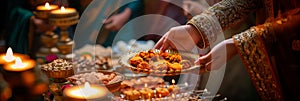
(221, 16)
(253, 53)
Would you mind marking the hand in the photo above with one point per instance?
(117, 21)
(179, 38)
(218, 56)
(194, 7)
(42, 25)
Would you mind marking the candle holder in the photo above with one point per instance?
(49, 38)
(57, 72)
(64, 18)
(20, 79)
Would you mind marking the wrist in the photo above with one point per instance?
(203, 41)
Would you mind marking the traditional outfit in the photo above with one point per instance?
(270, 51)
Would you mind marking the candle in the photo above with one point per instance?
(9, 56)
(46, 7)
(19, 65)
(64, 10)
(173, 82)
(84, 92)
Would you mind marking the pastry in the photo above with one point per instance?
(162, 92)
(146, 93)
(157, 62)
(58, 69)
(131, 94)
(173, 88)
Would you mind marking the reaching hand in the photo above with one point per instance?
(179, 38)
(116, 22)
(218, 56)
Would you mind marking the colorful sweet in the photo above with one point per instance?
(158, 62)
(58, 68)
(131, 94)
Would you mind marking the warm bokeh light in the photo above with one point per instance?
(9, 57)
(85, 91)
(62, 8)
(47, 6)
(18, 63)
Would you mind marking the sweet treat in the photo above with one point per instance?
(158, 62)
(162, 92)
(131, 94)
(58, 68)
(151, 82)
(95, 78)
(147, 93)
(86, 63)
(173, 88)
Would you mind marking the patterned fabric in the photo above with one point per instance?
(226, 13)
(254, 55)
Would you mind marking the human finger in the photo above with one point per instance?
(203, 59)
(159, 43)
(168, 45)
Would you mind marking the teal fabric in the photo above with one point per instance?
(136, 10)
(18, 28)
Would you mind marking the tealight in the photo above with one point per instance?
(9, 56)
(84, 92)
(19, 65)
(46, 7)
(64, 10)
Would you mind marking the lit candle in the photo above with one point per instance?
(84, 92)
(19, 66)
(46, 7)
(9, 56)
(173, 82)
(64, 10)
(146, 85)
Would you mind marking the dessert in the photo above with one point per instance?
(95, 78)
(58, 68)
(146, 93)
(85, 63)
(131, 94)
(173, 88)
(158, 62)
(162, 92)
(150, 81)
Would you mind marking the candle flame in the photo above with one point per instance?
(146, 85)
(87, 85)
(9, 56)
(173, 81)
(159, 95)
(62, 8)
(47, 6)
(18, 63)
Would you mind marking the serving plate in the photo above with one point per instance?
(186, 56)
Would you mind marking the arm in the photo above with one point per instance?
(226, 13)
(131, 10)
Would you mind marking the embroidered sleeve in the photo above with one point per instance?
(251, 47)
(221, 16)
